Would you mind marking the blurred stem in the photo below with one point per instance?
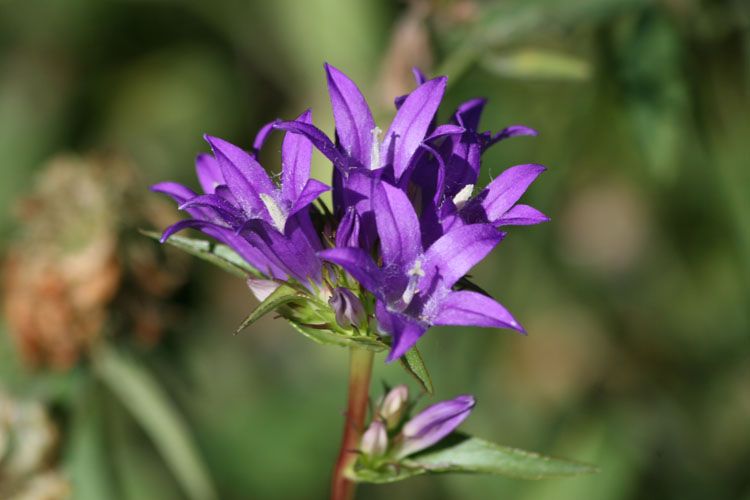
(360, 370)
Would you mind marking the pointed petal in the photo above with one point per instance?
(261, 136)
(347, 234)
(508, 132)
(398, 227)
(410, 125)
(469, 113)
(244, 176)
(354, 122)
(319, 140)
(296, 154)
(444, 130)
(178, 192)
(467, 308)
(209, 172)
(358, 263)
(405, 331)
(186, 224)
(310, 192)
(455, 253)
(522, 215)
(225, 209)
(503, 192)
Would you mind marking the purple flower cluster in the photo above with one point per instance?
(407, 222)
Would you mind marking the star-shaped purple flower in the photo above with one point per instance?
(413, 286)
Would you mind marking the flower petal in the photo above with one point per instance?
(508, 132)
(410, 125)
(319, 140)
(358, 263)
(405, 331)
(469, 113)
(398, 226)
(455, 253)
(505, 190)
(296, 154)
(468, 308)
(178, 192)
(310, 192)
(261, 136)
(244, 176)
(522, 215)
(209, 172)
(354, 122)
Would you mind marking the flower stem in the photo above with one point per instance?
(360, 369)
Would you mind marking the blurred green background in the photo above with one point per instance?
(635, 296)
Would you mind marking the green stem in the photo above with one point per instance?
(360, 369)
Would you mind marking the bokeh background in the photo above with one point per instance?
(635, 295)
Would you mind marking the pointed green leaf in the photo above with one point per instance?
(469, 454)
(282, 295)
(465, 454)
(217, 254)
(152, 409)
(414, 364)
(329, 337)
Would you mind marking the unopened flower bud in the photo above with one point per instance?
(375, 440)
(433, 424)
(394, 405)
(347, 307)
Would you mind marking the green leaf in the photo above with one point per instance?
(533, 64)
(217, 254)
(282, 295)
(329, 337)
(465, 454)
(152, 409)
(414, 364)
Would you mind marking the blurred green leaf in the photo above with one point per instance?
(140, 393)
(414, 364)
(465, 454)
(282, 295)
(216, 253)
(534, 64)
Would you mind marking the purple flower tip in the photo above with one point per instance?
(434, 423)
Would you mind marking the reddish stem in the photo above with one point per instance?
(360, 369)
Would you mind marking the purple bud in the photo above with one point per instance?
(375, 440)
(394, 405)
(433, 424)
(348, 308)
(347, 234)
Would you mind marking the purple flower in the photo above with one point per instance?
(242, 207)
(433, 424)
(362, 157)
(413, 286)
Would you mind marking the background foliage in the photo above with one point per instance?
(635, 296)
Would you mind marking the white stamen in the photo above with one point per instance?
(375, 149)
(274, 210)
(463, 196)
(414, 274)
